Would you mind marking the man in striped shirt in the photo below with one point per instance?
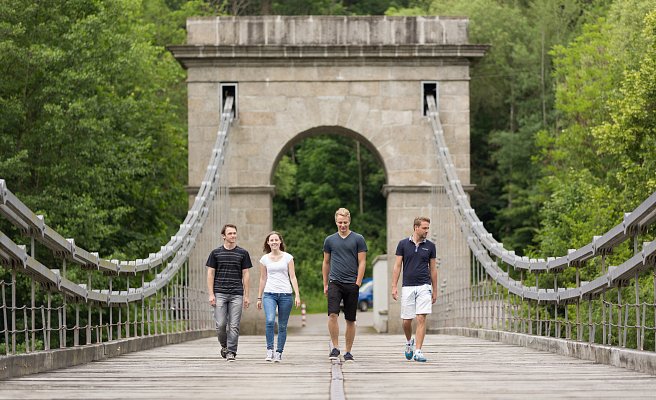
(227, 285)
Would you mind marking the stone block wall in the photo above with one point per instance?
(355, 76)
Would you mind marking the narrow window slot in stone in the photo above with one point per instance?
(229, 90)
(428, 89)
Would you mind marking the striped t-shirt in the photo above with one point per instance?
(229, 265)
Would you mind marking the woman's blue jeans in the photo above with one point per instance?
(284, 302)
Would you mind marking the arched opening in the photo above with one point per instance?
(319, 171)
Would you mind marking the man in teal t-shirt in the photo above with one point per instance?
(344, 262)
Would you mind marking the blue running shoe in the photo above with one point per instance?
(410, 349)
(419, 356)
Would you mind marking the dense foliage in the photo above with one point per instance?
(318, 176)
(91, 127)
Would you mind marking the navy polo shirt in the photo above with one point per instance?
(416, 261)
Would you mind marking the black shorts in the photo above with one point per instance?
(338, 291)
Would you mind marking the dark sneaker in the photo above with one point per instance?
(334, 354)
(348, 357)
(224, 352)
(231, 357)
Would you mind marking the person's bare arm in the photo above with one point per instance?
(433, 272)
(396, 272)
(362, 266)
(294, 281)
(246, 280)
(325, 269)
(210, 286)
(260, 290)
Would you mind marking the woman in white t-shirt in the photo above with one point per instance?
(277, 277)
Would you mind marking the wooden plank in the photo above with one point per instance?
(457, 368)
(466, 368)
(191, 370)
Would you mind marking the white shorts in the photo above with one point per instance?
(416, 300)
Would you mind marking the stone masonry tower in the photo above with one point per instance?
(365, 77)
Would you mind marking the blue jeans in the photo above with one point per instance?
(227, 315)
(284, 303)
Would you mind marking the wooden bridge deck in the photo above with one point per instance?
(458, 368)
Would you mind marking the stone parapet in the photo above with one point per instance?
(328, 30)
(326, 41)
(324, 55)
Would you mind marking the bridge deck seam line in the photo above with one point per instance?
(336, 381)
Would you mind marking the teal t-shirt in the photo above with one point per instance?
(344, 256)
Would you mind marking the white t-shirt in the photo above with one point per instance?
(277, 273)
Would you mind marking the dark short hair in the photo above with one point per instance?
(226, 226)
(419, 220)
(267, 248)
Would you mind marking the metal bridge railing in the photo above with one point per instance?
(68, 296)
(615, 306)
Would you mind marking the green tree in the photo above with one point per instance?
(628, 138)
(511, 102)
(90, 135)
(604, 149)
(316, 177)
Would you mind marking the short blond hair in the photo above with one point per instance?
(343, 212)
(419, 220)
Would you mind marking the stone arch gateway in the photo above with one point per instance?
(364, 75)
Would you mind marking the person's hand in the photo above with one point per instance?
(395, 294)
(246, 302)
(212, 300)
(325, 290)
(259, 304)
(297, 301)
(434, 296)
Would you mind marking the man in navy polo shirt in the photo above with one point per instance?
(417, 255)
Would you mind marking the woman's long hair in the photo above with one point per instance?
(267, 248)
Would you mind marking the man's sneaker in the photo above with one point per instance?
(230, 357)
(410, 349)
(348, 357)
(269, 356)
(277, 357)
(419, 356)
(224, 352)
(334, 354)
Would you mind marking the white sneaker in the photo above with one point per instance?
(277, 357)
(419, 356)
(410, 349)
(269, 356)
